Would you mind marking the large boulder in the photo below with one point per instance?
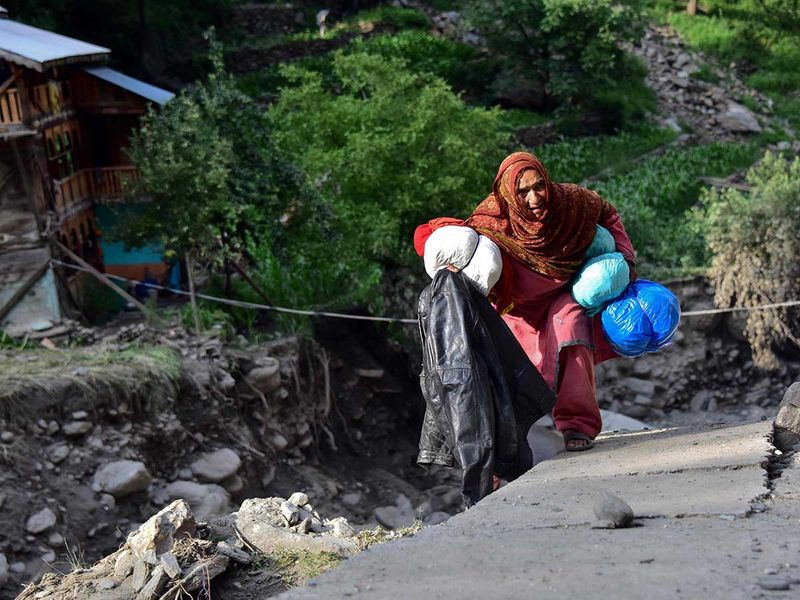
(787, 423)
(122, 478)
(206, 500)
(157, 536)
(41, 521)
(739, 119)
(258, 524)
(217, 466)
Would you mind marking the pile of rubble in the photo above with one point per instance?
(237, 421)
(714, 110)
(172, 555)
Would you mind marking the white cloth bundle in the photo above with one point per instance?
(475, 255)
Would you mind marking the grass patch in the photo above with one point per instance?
(577, 159)
(752, 39)
(656, 198)
(144, 376)
(379, 535)
(295, 566)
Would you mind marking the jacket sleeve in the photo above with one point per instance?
(610, 219)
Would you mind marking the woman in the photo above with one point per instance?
(543, 230)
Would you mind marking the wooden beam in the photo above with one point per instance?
(26, 186)
(24, 289)
(102, 278)
(10, 81)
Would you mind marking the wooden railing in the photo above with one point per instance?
(102, 183)
(10, 108)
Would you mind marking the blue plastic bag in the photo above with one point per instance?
(603, 243)
(643, 319)
(601, 279)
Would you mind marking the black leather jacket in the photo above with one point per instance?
(482, 393)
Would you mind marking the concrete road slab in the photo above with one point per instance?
(702, 557)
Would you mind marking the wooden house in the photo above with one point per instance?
(65, 119)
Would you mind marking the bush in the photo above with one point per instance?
(209, 172)
(460, 65)
(756, 253)
(384, 149)
(574, 160)
(570, 51)
(655, 200)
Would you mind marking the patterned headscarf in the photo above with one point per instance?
(553, 246)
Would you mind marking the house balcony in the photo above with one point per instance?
(10, 109)
(98, 185)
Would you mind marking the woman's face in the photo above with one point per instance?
(532, 193)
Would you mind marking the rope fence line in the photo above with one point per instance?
(315, 313)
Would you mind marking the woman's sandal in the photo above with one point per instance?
(571, 437)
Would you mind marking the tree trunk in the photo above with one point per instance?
(691, 7)
(192, 296)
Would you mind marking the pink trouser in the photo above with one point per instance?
(576, 407)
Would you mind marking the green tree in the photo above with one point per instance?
(210, 177)
(385, 149)
(756, 253)
(569, 53)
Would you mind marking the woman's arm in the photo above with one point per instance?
(610, 219)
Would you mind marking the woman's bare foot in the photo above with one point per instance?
(575, 441)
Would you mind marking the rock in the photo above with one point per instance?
(699, 400)
(216, 466)
(124, 564)
(393, 518)
(290, 513)
(77, 428)
(278, 441)
(55, 539)
(739, 119)
(639, 386)
(41, 521)
(157, 535)
(234, 484)
(787, 423)
(122, 478)
(3, 569)
(185, 474)
(613, 508)
(80, 415)
(254, 522)
(58, 453)
(170, 565)
(108, 501)
(141, 573)
(299, 499)
(6, 437)
(48, 557)
(266, 377)
(106, 583)
(18, 567)
(351, 499)
(436, 518)
(237, 554)
(774, 583)
(156, 584)
(199, 575)
(341, 528)
(206, 500)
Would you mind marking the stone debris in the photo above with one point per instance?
(122, 478)
(787, 423)
(612, 512)
(206, 499)
(41, 521)
(169, 554)
(674, 74)
(217, 466)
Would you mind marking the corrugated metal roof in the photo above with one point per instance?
(140, 88)
(39, 49)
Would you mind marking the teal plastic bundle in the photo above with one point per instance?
(643, 319)
(600, 280)
(603, 243)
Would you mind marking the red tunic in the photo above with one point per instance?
(545, 319)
